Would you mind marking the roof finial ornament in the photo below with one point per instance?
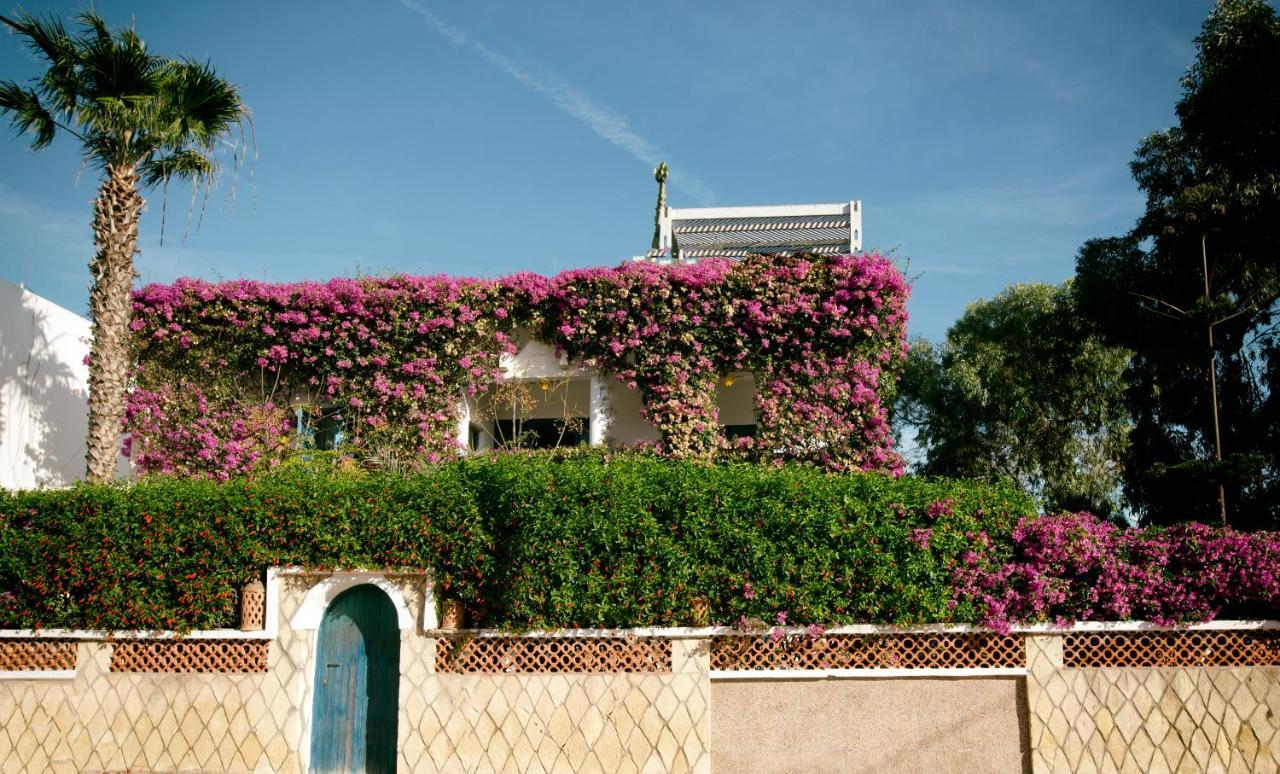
(660, 175)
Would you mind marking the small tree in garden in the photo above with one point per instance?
(141, 119)
(509, 407)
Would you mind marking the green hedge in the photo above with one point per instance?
(525, 540)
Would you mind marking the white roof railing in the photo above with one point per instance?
(696, 232)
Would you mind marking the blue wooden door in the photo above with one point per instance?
(353, 718)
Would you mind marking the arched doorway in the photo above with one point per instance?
(353, 718)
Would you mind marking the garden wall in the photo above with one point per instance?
(1132, 697)
(888, 724)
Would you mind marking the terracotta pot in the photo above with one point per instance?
(253, 604)
(452, 614)
(701, 611)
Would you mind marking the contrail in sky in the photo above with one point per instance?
(568, 98)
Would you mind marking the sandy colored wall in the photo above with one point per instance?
(197, 722)
(737, 403)
(1147, 720)
(860, 725)
(102, 720)
(556, 722)
(1054, 719)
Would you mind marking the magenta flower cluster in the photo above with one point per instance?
(1075, 566)
(823, 337)
(222, 441)
(818, 334)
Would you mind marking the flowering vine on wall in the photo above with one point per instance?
(218, 365)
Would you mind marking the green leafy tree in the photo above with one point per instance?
(141, 119)
(1193, 288)
(1022, 389)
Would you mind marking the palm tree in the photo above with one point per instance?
(142, 120)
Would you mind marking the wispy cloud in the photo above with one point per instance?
(608, 124)
(1088, 197)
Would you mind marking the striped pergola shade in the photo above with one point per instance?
(734, 232)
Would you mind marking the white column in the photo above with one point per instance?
(855, 226)
(599, 410)
(464, 425)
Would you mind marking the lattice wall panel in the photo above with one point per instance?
(516, 655)
(173, 656)
(37, 655)
(1171, 649)
(868, 651)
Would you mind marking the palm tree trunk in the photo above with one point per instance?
(115, 240)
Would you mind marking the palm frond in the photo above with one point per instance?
(188, 164)
(27, 114)
(165, 117)
(46, 36)
(116, 67)
(203, 106)
(94, 23)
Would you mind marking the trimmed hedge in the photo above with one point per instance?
(528, 540)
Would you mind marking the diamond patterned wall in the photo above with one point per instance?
(555, 722)
(1165, 718)
(104, 720)
(1150, 719)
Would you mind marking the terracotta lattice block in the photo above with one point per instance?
(37, 655)
(1170, 649)
(592, 655)
(868, 651)
(218, 656)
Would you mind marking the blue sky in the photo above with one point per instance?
(987, 140)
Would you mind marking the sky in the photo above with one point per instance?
(986, 140)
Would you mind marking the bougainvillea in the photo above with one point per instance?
(395, 353)
(823, 337)
(1075, 566)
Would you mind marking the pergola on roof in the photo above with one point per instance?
(733, 232)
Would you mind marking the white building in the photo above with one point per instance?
(552, 404)
(44, 410)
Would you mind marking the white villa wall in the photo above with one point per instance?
(535, 360)
(43, 391)
(626, 425)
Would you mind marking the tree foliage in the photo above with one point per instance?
(1212, 184)
(1022, 389)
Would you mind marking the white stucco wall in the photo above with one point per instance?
(626, 425)
(43, 391)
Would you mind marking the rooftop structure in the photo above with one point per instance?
(735, 232)
(690, 233)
